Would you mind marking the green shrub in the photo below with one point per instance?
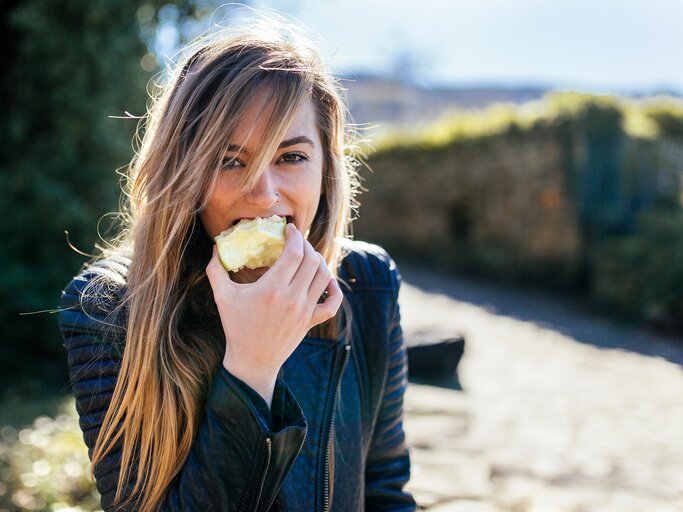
(639, 118)
(641, 274)
(68, 67)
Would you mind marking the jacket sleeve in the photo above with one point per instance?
(388, 462)
(237, 461)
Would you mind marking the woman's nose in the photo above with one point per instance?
(264, 193)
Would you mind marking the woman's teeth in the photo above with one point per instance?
(288, 218)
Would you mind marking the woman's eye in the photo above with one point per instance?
(231, 163)
(293, 158)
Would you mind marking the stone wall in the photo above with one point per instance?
(576, 192)
(502, 203)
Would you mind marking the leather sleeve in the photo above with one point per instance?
(388, 462)
(237, 461)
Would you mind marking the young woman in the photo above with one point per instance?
(275, 388)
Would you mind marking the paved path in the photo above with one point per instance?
(560, 410)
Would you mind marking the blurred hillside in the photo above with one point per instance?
(392, 101)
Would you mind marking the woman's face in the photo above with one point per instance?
(294, 172)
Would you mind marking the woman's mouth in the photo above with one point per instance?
(288, 218)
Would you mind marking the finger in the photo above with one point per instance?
(215, 271)
(320, 281)
(307, 269)
(329, 308)
(287, 264)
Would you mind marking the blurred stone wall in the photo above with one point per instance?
(502, 201)
(507, 204)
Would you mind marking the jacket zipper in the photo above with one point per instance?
(330, 431)
(264, 472)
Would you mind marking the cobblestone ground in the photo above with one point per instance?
(560, 410)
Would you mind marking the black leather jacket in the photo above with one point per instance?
(330, 395)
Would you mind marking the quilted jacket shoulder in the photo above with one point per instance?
(367, 265)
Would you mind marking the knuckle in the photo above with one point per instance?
(297, 253)
(271, 296)
(328, 313)
(313, 262)
(323, 265)
(295, 308)
(336, 300)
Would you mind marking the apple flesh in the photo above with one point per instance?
(252, 243)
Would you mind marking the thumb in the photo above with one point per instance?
(215, 271)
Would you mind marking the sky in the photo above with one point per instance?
(599, 45)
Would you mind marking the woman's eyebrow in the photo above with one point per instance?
(301, 139)
(234, 148)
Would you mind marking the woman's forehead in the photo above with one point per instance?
(257, 118)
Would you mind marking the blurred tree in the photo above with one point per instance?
(67, 67)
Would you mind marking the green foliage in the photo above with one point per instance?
(70, 65)
(462, 126)
(669, 122)
(68, 68)
(645, 118)
(45, 466)
(641, 273)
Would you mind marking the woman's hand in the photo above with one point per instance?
(266, 320)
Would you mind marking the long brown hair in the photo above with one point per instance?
(169, 359)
